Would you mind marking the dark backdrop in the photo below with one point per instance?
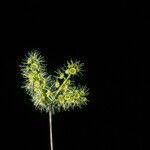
(111, 40)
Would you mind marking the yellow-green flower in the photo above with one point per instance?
(57, 84)
(61, 99)
(73, 68)
(61, 76)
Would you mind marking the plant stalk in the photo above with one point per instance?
(50, 129)
(50, 115)
(62, 85)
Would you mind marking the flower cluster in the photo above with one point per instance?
(58, 92)
(67, 94)
(72, 97)
(36, 80)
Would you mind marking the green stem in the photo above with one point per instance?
(50, 129)
(62, 85)
(50, 113)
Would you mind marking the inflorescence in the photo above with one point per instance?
(52, 92)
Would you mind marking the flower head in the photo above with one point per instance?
(59, 91)
(73, 68)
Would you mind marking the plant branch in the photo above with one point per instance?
(62, 85)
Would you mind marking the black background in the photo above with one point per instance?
(112, 39)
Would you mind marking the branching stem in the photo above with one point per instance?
(62, 85)
(50, 113)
